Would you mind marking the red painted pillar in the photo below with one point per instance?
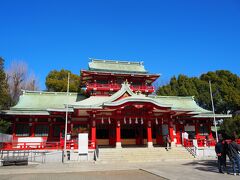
(149, 134)
(170, 129)
(118, 135)
(93, 134)
(32, 128)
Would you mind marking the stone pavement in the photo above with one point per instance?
(99, 175)
(167, 169)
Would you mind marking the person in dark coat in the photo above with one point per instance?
(221, 154)
(233, 154)
(225, 154)
(168, 142)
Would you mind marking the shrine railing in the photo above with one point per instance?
(188, 143)
(200, 142)
(116, 87)
(203, 142)
(71, 144)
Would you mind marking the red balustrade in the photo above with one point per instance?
(200, 142)
(188, 143)
(211, 142)
(71, 144)
(116, 87)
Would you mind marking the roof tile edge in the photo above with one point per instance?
(47, 93)
(116, 61)
(179, 97)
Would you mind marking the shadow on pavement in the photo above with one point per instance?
(207, 165)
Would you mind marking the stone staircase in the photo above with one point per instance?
(156, 154)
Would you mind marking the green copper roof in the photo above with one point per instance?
(41, 101)
(117, 66)
(180, 103)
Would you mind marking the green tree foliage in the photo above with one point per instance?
(225, 87)
(4, 96)
(4, 126)
(57, 81)
(231, 126)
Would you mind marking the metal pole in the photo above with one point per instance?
(66, 121)
(213, 110)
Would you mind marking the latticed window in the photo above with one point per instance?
(190, 129)
(22, 129)
(203, 130)
(41, 130)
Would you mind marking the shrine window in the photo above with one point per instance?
(203, 130)
(22, 129)
(41, 130)
(190, 129)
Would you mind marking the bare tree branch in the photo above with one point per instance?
(18, 78)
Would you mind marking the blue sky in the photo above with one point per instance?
(171, 37)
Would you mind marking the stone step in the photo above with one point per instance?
(153, 157)
(143, 154)
(139, 150)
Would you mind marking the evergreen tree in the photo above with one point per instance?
(4, 96)
(231, 127)
(225, 87)
(57, 81)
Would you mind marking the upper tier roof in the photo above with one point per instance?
(116, 66)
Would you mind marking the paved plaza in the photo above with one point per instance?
(106, 175)
(90, 170)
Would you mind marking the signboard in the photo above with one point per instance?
(83, 143)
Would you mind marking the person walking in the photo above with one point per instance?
(221, 154)
(233, 154)
(168, 142)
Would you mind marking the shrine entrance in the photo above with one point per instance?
(106, 135)
(133, 135)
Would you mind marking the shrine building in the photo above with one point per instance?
(118, 110)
